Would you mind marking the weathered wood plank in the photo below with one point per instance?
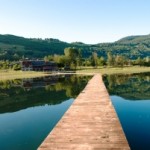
(90, 123)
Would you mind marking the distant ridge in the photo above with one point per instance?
(14, 47)
(135, 39)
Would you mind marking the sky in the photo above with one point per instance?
(87, 21)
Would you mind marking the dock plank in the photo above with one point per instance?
(90, 123)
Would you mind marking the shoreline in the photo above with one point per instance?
(10, 75)
(116, 70)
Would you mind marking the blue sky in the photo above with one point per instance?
(88, 21)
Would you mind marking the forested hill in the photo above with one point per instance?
(139, 39)
(15, 47)
(11, 45)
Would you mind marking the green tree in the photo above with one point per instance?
(101, 61)
(61, 60)
(72, 55)
(79, 58)
(87, 62)
(147, 61)
(119, 60)
(16, 66)
(139, 61)
(110, 59)
(94, 59)
(49, 58)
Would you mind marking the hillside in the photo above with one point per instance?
(143, 39)
(131, 46)
(14, 47)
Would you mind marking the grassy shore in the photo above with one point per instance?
(8, 74)
(113, 70)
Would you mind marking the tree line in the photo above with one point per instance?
(72, 59)
(14, 48)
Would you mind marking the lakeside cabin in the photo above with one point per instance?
(38, 65)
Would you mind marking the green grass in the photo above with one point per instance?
(9, 74)
(113, 70)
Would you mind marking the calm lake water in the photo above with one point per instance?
(130, 96)
(30, 108)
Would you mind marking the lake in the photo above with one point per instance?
(30, 108)
(130, 96)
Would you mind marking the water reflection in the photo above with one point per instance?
(130, 86)
(23, 93)
(30, 108)
(130, 96)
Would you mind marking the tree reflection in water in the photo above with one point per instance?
(23, 93)
(129, 86)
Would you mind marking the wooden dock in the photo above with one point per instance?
(90, 123)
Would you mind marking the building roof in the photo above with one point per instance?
(38, 62)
